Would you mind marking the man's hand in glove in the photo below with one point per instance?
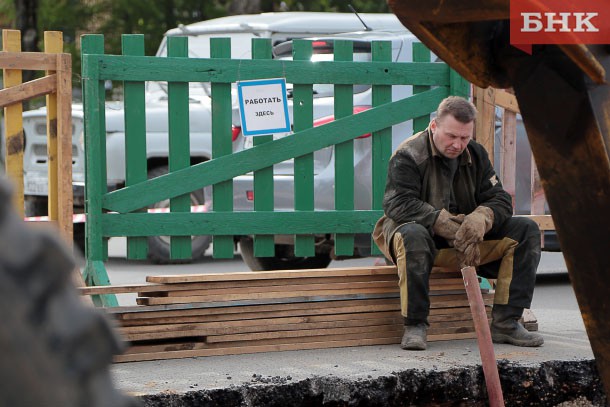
(447, 225)
(471, 232)
(470, 255)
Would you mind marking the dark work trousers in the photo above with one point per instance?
(510, 255)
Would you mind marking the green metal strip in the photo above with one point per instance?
(420, 54)
(242, 162)
(179, 143)
(95, 163)
(299, 72)
(344, 152)
(382, 139)
(135, 137)
(240, 223)
(302, 100)
(264, 246)
(222, 193)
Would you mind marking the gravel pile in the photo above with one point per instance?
(579, 402)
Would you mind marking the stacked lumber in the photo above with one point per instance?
(248, 312)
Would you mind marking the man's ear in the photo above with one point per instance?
(433, 125)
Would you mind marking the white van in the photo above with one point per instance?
(241, 29)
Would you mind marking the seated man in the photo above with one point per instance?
(445, 206)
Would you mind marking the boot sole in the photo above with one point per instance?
(501, 338)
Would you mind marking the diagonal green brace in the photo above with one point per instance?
(95, 275)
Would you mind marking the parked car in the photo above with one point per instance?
(324, 196)
(241, 29)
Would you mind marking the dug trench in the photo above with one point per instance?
(552, 383)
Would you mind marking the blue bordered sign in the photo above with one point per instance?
(263, 107)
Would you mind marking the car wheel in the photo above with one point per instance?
(284, 258)
(159, 246)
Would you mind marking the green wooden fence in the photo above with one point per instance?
(120, 213)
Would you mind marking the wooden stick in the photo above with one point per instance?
(440, 283)
(33, 61)
(219, 329)
(265, 323)
(208, 317)
(486, 348)
(260, 296)
(255, 349)
(13, 132)
(179, 352)
(265, 275)
(285, 288)
(28, 90)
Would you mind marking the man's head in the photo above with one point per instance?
(453, 126)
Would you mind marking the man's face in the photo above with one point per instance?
(451, 136)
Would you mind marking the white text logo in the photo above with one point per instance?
(558, 22)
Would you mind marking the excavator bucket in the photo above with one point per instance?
(564, 97)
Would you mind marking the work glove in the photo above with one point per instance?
(470, 233)
(447, 225)
(469, 255)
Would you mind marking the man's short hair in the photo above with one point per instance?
(458, 107)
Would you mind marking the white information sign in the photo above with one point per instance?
(263, 107)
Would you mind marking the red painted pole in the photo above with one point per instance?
(481, 326)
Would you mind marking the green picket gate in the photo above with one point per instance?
(121, 213)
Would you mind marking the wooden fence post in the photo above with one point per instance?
(382, 139)
(303, 165)
(264, 245)
(222, 193)
(344, 152)
(14, 141)
(53, 44)
(135, 140)
(485, 125)
(59, 138)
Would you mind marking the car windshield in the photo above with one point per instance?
(199, 47)
(323, 51)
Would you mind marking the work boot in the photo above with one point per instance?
(414, 337)
(505, 327)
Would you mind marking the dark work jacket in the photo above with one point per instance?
(418, 181)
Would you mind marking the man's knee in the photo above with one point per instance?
(520, 225)
(413, 231)
(527, 224)
(528, 252)
(521, 229)
(416, 239)
(415, 236)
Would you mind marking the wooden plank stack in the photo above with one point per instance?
(248, 312)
